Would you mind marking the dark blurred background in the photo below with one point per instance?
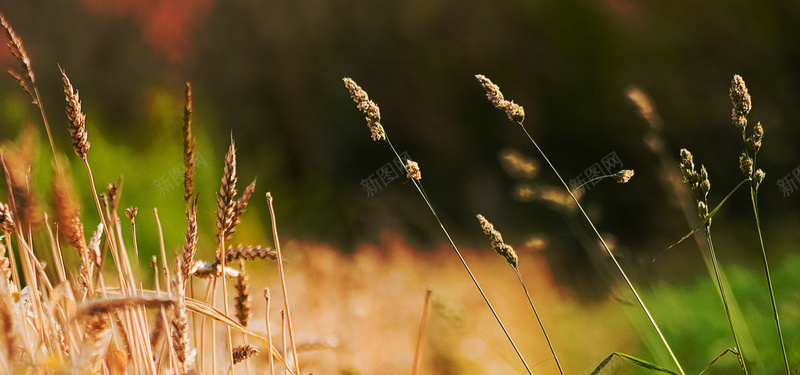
(268, 73)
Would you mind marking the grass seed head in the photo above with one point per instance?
(514, 111)
(413, 170)
(623, 176)
(6, 219)
(367, 107)
(741, 102)
(497, 241)
(25, 78)
(77, 119)
(243, 352)
(746, 165)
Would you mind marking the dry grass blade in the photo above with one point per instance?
(77, 119)
(423, 329)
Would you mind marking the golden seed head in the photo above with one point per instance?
(492, 90)
(367, 107)
(77, 119)
(514, 111)
(644, 104)
(413, 170)
(623, 176)
(131, 212)
(705, 184)
(497, 241)
(702, 209)
(690, 175)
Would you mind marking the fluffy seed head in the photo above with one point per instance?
(514, 111)
(497, 241)
(741, 102)
(367, 107)
(623, 176)
(413, 170)
(77, 119)
(746, 164)
(24, 78)
(758, 177)
(188, 146)
(243, 352)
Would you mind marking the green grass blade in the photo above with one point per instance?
(631, 359)
(729, 350)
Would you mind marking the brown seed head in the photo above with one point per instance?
(367, 107)
(68, 212)
(645, 106)
(687, 168)
(188, 145)
(623, 176)
(243, 300)
(77, 119)
(131, 212)
(24, 78)
(758, 177)
(6, 220)
(492, 90)
(190, 244)
(243, 352)
(517, 164)
(741, 102)
(413, 170)
(226, 203)
(247, 252)
(746, 165)
(497, 241)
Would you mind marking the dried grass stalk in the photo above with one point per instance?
(243, 352)
(77, 119)
(188, 146)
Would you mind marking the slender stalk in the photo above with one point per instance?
(753, 199)
(418, 185)
(530, 301)
(724, 299)
(283, 282)
(269, 334)
(608, 250)
(423, 328)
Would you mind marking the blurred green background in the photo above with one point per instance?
(269, 75)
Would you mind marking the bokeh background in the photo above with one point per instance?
(268, 74)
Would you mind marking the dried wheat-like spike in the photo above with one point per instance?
(190, 246)
(94, 245)
(412, 169)
(6, 219)
(623, 176)
(497, 241)
(243, 299)
(180, 319)
(17, 162)
(242, 352)
(77, 119)
(188, 146)
(248, 252)
(514, 111)
(240, 207)
(741, 102)
(112, 303)
(205, 270)
(367, 107)
(517, 164)
(67, 211)
(226, 204)
(754, 141)
(26, 78)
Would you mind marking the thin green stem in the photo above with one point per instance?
(724, 299)
(608, 250)
(754, 200)
(418, 185)
(530, 301)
